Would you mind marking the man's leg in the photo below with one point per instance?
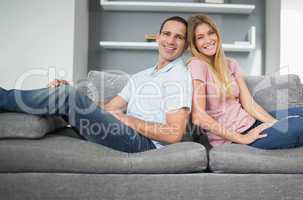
(93, 123)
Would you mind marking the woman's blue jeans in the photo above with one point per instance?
(92, 122)
(286, 133)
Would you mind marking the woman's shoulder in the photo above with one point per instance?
(197, 62)
(198, 69)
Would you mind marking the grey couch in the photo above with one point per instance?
(59, 165)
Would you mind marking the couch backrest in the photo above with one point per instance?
(272, 92)
(103, 86)
(275, 92)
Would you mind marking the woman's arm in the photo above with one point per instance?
(250, 106)
(203, 120)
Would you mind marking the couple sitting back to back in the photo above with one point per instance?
(159, 100)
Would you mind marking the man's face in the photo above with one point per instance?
(171, 41)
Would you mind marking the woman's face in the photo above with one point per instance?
(206, 40)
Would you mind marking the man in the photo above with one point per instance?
(158, 101)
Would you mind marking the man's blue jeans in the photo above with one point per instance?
(286, 133)
(93, 123)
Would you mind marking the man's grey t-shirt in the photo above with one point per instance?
(151, 93)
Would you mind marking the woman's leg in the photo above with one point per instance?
(286, 133)
(93, 123)
(280, 114)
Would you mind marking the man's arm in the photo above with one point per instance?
(116, 104)
(170, 132)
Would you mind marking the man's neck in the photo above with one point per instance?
(162, 63)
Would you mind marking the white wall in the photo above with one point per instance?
(37, 41)
(291, 37)
(284, 41)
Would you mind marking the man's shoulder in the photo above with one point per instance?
(180, 68)
(142, 74)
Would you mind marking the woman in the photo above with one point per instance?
(222, 103)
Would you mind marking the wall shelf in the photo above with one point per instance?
(238, 46)
(176, 7)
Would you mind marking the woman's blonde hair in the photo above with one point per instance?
(217, 65)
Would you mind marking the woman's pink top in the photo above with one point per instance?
(228, 112)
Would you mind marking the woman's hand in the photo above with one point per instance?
(255, 133)
(57, 83)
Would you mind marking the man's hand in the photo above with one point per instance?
(57, 83)
(255, 133)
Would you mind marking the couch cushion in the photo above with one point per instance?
(276, 92)
(236, 158)
(56, 153)
(20, 125)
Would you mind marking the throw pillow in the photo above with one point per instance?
(21, 125)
